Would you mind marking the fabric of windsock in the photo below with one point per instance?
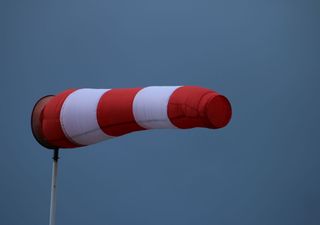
(80, 117)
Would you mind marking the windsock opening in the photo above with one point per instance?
(36, 121)
(80, 117)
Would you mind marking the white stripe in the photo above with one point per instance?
(78, 116)
(150, 107)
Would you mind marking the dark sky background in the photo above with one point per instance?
(264, 55)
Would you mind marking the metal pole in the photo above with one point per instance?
(54, 187)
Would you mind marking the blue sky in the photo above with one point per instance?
(261, 169)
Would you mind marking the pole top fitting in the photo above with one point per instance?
(55, 154)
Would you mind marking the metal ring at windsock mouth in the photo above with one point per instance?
(36, 121)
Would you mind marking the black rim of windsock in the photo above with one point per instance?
(36, 121)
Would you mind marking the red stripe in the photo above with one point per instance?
(114, 112)
(192, 106)
(51, 126)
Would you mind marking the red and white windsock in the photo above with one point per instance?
(80, 117)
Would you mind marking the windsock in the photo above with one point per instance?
(80, 117)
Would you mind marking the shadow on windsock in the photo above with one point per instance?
(80, 117)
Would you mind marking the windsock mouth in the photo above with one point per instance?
(36, 124)
(219, 111)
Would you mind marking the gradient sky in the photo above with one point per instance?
(263, 55)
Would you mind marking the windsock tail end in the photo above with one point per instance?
(218, 111)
